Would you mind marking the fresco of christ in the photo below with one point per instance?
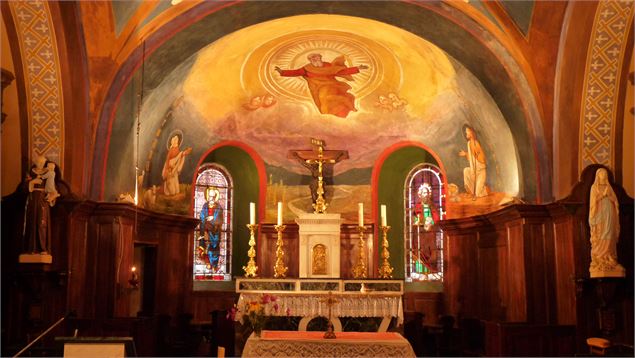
(330, 95)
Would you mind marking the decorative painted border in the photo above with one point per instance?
(601, 84)
(41, 64)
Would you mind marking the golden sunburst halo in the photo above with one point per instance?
(290, 52)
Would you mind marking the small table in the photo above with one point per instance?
(312, 344)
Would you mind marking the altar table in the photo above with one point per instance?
(312, 344)
(307, 298)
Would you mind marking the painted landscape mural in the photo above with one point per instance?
(275, 85)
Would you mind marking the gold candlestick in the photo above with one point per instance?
(385, 270)
(280, 270)
(359, 271)
(251, 268)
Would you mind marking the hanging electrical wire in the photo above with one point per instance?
(138, 178)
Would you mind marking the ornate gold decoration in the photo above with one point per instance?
(330, 301)
(318, 266)
(251, 268)
(359, 271)
(320, 203)
(604, 61)
(385, 270)
(279, 270)
(42, 78)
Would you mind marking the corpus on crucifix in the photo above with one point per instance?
(320, 162)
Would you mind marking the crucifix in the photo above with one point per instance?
(330, 301)
(318, 161)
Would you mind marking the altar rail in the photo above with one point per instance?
(306, 298)
(313, 286)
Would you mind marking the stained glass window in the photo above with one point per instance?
(424, 207)
(213, 235)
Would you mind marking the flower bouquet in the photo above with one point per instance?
(255, 313)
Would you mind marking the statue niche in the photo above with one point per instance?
(318, 266)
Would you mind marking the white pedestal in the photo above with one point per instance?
(319, 229)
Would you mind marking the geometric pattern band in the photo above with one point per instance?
(602, 82)
(41, 66)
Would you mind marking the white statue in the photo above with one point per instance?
(605, 228)
(49, 186)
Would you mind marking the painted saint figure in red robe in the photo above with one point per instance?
(330, 95)
(174, 162)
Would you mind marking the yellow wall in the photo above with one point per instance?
(11, 170)
(628, 139)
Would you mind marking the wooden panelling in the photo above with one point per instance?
(291, 246)
(205, 302)
(489, 252)
(516, 275)
(564, 269)
(509, 271)
(528, 264)
(504, 284)
(428, 303)
(520, 339)
(459, 283)
(101, 239)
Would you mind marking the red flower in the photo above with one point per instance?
(231, 313)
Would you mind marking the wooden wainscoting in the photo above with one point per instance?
(428, 303)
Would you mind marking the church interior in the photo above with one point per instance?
(257, 178)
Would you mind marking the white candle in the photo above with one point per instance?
(252, 213)
(279, 213)
(360, 214)
(383, 215)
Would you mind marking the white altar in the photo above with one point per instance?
(319, 245)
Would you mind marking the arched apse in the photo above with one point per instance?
(515, 111)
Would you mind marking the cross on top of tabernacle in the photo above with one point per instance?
(316, 160)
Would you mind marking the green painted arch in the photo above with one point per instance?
(244, 173)
(390, 192)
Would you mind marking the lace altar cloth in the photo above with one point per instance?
(348, 305)
(312, 344)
